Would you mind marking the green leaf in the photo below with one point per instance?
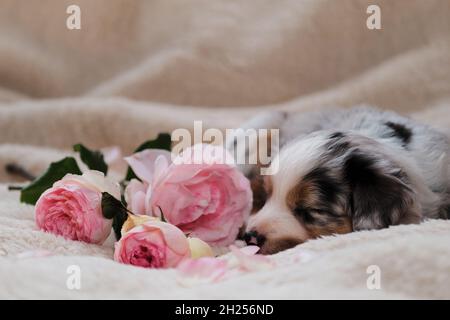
(163, 141)
(111, 206)
(114, 209)
(56, 171)
(118, 221)
(93, 159)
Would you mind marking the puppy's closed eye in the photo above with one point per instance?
(322, 221)
(303, 214)
(318, 203)
(312, 213)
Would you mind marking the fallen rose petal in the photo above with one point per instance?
(248, 250)
(246, 260)
(202, 270)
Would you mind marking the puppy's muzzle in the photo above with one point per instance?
(254, 238)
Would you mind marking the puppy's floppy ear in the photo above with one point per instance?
(379, 193)
(260, 188)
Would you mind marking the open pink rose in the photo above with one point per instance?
(201, 192)
(72, 207)
(209, 199)
(153, 244)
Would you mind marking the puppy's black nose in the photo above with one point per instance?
(254, 238)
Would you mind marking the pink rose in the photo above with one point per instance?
(204, 194)
(72, 207)
(153, 244)
(201, 192)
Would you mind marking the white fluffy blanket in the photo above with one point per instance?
(137, 68)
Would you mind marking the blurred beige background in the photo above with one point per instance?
(226, 52)
(140, 67)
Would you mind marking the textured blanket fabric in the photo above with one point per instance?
(137, 68)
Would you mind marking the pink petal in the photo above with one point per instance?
(135, 196)
(248, 250)
(174, 237)
(248, 261)
(178, 173)
(144, 163)
(160, 167)
(202, 270)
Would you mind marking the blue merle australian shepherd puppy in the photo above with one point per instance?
(346, 170)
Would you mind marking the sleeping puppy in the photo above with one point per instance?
(346, 170)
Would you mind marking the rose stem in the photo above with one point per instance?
(17, 170)
(14, 188)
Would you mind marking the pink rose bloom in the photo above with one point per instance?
(153, 244)
(201, 192)
(204, 194)
(72, 207)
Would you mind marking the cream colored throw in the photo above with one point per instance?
(136, 68)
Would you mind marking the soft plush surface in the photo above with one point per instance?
(137, 68)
